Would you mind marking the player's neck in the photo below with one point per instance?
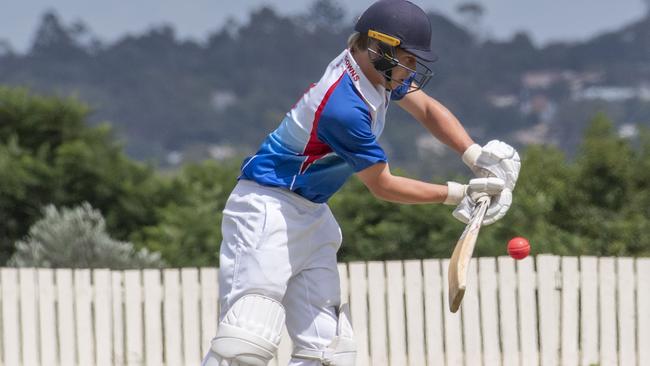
(362, 59)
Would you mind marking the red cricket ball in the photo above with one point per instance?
(518, 247)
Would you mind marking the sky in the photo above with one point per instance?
(544, 20)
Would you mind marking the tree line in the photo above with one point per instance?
(169, 95)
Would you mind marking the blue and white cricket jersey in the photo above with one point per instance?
(327, 136)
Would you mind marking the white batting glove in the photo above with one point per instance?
(495, 159)
(213, 359)
(466, 197)
(499, 206)
(477, 187)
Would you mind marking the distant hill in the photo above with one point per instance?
(172, 100)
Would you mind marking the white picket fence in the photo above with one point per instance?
(550, 311)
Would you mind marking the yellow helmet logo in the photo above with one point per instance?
(389, 40)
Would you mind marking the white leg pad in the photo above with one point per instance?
(343, 349)
(250, 332)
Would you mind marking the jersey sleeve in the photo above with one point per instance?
(350, 136)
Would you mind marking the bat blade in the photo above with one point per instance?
(460, 258)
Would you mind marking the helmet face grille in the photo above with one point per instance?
(384, 59)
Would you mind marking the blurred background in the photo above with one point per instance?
(144, 110)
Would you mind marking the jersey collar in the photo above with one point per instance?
(369, 92)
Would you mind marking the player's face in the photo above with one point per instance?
(401, 72)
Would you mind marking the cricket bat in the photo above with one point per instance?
(459, 262)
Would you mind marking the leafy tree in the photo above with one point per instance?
(596, 204)
(57, 40)
(188, 227)
(539, 204)
(77, 238)
(23, 191)
(604, 162)
(593, 205)
(324, 14)
(52, 156)
(160, 91)
(378, 230)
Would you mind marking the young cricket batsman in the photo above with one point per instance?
(278, 255)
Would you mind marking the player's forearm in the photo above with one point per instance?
(446, 127)
(410, 191)
(436, 118)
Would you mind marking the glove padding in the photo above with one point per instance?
(495, 159)
(499, 206)
(466, 197)
(212, 359)
(477, 188)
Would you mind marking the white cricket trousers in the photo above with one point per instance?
(279, 244)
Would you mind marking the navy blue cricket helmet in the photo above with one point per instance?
(399, 23)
